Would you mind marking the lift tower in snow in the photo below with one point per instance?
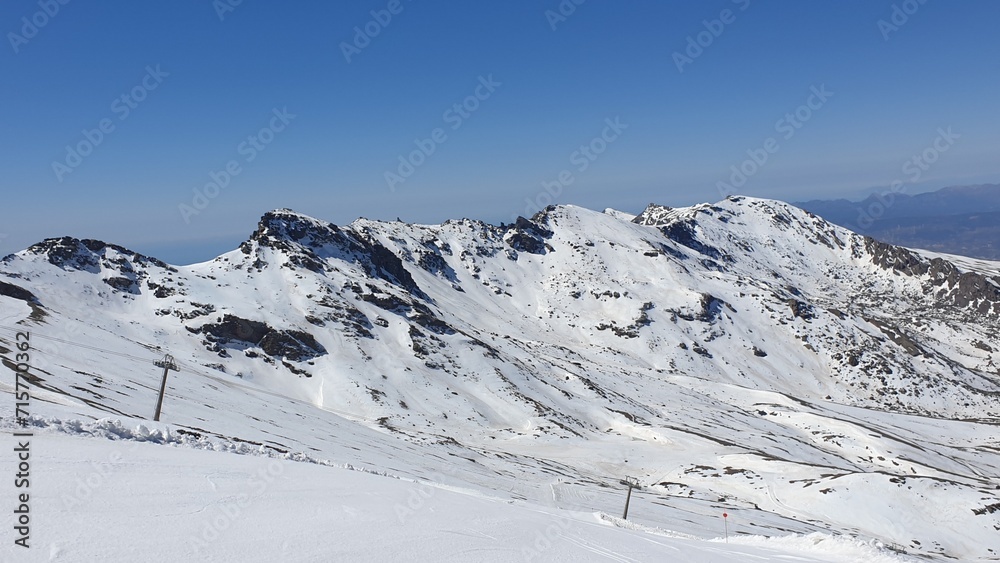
(167, 363)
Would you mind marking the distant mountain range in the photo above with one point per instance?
(961, 220)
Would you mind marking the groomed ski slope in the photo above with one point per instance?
(96, 499)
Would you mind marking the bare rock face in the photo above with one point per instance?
(17, 292)
(120, 268)
(801, 309)
(235, 332)
(528, 236)
(971, 290)
(308, 243)
(653, 215)
(89, 255)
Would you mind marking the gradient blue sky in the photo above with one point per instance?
(354, 120)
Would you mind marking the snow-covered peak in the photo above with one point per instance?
(91, 255)
(654, 214)
(623, 215)
(288, 226)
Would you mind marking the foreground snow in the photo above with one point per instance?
(125, 500)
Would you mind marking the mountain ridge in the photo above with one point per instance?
(746, 336)
(699, 235)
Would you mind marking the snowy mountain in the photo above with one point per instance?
(744, 356)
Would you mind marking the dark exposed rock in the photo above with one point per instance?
(982, 345)
(527, 236)
(969, 289)
(387, 301)
(683, 232)
(854, 358)
(17, 292)
(386, 265)
(988, 509)
(161, 291)
(653, 215)
(295, 370)
(896, 258)
(801, 309)
(699, 349)
(526, 243)
(671, 251)
(643, 318)
(414, 310)
(355, 322)
(433, 263)
(307, 243)
(898, 336)
(416, 338)
(70, 253)
(294, 345)
(232, 327)
(123, 284)
(432, 260)
(199, 310)
(426, 318)
(66, 253)
(630, 331)
(711, 308)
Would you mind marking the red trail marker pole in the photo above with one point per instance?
(725, 520)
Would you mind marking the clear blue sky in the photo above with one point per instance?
(557, 87)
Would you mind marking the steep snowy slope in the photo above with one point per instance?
(745, 355)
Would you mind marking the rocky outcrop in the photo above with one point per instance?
(17, 292)
(944, 280)
(653, 215)
(528, 236)
(308, 243)
(235, 332)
